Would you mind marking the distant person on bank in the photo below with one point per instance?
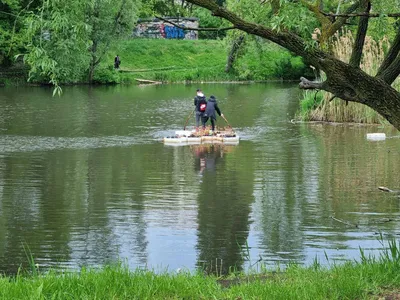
(117, 62)
(211, 108)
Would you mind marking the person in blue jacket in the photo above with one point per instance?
(209, 113)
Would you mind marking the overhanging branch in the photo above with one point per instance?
(346, 94)
(195, 29)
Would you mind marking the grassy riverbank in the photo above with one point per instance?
(369, 279)
(193, 60)
(183, 61)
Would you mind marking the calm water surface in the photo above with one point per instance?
(86, 180)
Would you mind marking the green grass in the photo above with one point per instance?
(158, 53)
(369, 278)
(191, 60)
(311, 100)
(169, 60)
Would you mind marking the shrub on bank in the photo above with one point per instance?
(311, 100)
(268, 61)
(106, 75)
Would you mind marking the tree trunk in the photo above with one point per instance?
(91, 73)
(93, 50)
(233, 53)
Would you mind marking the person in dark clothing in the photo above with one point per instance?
(200, 103)
(211, 108)
(117, 62)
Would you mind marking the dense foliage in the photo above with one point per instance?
(62, 41)
(12, 16)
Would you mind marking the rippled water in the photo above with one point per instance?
(86, 180)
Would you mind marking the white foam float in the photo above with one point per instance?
(184, 137)
(376, 136)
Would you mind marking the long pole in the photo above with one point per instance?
(187, 120)
(226, 121)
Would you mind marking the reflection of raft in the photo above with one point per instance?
(187, 137)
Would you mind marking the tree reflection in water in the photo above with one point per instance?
(223, 208)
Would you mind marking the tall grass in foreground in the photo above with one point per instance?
(337, 110)
(353, 280)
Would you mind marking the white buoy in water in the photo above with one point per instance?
(376, 136)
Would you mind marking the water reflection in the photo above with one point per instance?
(85, 180)
(207, 156)
(224, 203)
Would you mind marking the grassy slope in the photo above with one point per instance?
(169, 60)
(153, 53)
(194, 60)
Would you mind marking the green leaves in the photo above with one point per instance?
(65, 41)
(57, 45)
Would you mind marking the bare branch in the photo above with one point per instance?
(358, 46)
(195, 29)
(390, 74)
(329, 25)
(391, 55)
(344, 222)
(233, 53)
(340, 21)
(10, 14)
(361, 14)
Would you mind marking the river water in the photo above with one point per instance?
(85, 180)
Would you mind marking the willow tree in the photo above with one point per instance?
(66, 40)
(287, 24)
(12, 27)
(108, 19)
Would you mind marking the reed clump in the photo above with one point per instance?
(337, 110)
